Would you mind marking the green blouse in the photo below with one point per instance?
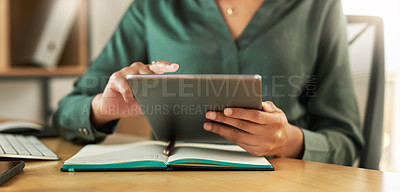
(299, 47)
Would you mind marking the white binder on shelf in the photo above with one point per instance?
(45, 46)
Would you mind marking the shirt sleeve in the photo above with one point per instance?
(334, 135)
(127, 45)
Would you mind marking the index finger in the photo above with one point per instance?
(252, 115)
(161, 67)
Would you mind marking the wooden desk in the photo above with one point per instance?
(290, 175)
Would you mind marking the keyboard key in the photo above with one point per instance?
(29, 146)
(19, 148)
(41, 147)
(6, 146)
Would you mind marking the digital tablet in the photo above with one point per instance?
(175, 105)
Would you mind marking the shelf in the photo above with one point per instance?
(14, 24)
(4, 34)
(40, 72)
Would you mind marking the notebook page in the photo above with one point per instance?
(235, 157)
(121, 153)
(227, 147)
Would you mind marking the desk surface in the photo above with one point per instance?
(290, 175)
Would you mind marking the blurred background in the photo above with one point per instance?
(387, 10)
(32, 93)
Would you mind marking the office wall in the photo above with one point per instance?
(21, 99)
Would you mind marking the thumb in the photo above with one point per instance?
(269, 106)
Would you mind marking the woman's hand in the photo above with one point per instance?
(261, 133)
(117, 101)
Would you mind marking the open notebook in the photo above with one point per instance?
(148, 155)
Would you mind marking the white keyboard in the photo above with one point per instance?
(24, 147)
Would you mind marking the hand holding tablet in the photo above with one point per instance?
(198, 108)
(117, 100)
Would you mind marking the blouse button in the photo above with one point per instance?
(85, 131)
